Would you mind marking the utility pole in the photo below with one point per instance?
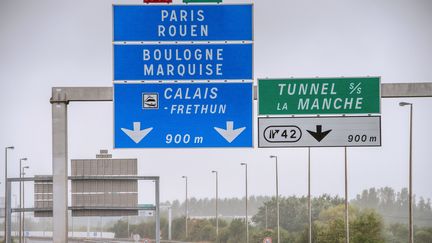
(347, 237)
(277, 198)
(186, 207)
(23, 205)
(309, 196)
(246, 199)
(217, 213)
(5, 192)
(21, 199)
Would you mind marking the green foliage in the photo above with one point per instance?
(423, 236)
(201, 230)
(178, 229)
(365, 226)
(366, 223)
(293, 211)
(120, 229)
(258, 235)
(227, 206)
(397, 233)
(236, 232)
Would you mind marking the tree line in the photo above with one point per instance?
(376, 215)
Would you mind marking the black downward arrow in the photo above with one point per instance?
(319, 134)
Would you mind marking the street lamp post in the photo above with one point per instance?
(347, 236)
(309, 196)
(5, 191)
(410, 205)
(266, 220)
(186, 206)
(20, 197)
(217, 199)
(16, 221)
(277, 197)
(23, 203)
(246, 199)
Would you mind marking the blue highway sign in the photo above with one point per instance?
(183, 62)
(183, 23)
(183, 115)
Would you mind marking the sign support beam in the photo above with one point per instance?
(60, 172)
(61, 96)
(84, 94)
(396, 90)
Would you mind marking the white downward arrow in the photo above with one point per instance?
(137, 134)
(230, 134)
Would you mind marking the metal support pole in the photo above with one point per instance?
(266, 219)
(217, 199)
(410, 202)
(309, 196)
(5, 196)
(60, 172)
(277, 198)
(16, 219)
(21, 206)
(347, 237)
(411, 230)
(410, 194)
(157, 211)
(247, 220)
(21, 199)
(8, 215)
(217, 209)
(246, 203)
(5, 192)
(277, 202)
(169, 223)
(23, 213)
(186, 206)
(23, 202)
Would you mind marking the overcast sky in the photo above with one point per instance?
(49, 43)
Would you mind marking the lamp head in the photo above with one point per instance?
(273, 156)
(243, 164)
(23, 159)
(26, 167)
(184, 176)
(404, 103)
(10, 147)
(213, 171)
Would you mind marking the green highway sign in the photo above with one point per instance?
(147, 206)
(312, 96)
